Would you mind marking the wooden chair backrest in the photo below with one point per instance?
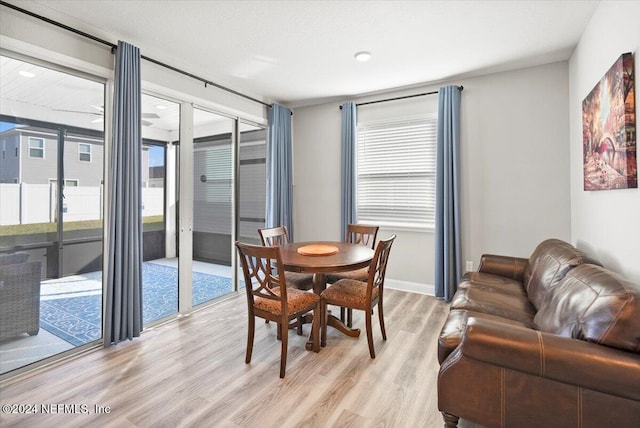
(378, 267)
(362, 234)
(274, 236)
(260, 265)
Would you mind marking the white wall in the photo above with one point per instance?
(515, 181)
(605, 223)
(515, 161)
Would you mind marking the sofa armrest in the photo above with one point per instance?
(567, 360)
(509, 267)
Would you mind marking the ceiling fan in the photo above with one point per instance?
(100, 113)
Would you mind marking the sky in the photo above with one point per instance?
(5, 125)
(156, 156)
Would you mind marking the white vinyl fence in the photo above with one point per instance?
(36, 203)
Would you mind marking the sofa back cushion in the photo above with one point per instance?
(548, 264)
(596, 305)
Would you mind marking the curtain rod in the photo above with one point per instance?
(114, 47)
(460, 88)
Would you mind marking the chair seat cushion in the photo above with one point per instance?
(298, 301)
(14, 258)
(301, 281)
(349, 293)
(358, 275)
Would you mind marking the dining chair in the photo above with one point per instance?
(270, 299)
(356, 234)
(354, 294)
(278, 236)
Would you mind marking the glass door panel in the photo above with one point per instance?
(252, 184)
(51, 208)
(160, 132)
(212, 205)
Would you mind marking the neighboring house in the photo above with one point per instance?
(30, 155)
(29, 173)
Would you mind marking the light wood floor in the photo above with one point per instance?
(191, 373)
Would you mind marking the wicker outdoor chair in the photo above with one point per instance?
(19, 296)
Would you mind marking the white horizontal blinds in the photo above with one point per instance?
(213, 166)
(396, 161)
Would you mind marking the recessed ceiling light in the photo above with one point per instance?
(363, 56)
(26, 73)
(161, 107)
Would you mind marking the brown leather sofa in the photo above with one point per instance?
(549, 341)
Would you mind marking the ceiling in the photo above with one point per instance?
(302, 52)
(29, 91)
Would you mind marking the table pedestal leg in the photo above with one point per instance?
(319, 285)
(336, 323)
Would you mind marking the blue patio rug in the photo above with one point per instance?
(78, 320)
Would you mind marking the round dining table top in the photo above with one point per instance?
(348, 257)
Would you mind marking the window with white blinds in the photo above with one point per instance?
(396, 180)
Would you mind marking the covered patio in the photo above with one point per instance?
(71, 307)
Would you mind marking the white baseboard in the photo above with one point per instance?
(411, 287)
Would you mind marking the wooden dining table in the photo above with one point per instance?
(347, 257)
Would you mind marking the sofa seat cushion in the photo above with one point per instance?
(548, 264)
(455, 324)
(493, 283)
(503, 305)
(596, 305)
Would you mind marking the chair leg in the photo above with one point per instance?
(450, 421)
(367, 317)
(300, 325)
(342, 314)
(279, 331)
(381, 318)
(323, 323)
(251, 331)
(349, 317)
(315, 327)
(283, 354)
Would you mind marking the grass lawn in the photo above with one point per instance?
(149, 223)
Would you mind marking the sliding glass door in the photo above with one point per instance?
(51, 211)
(189, 162)
(213, 184)
(160, 134)
(203, 188)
